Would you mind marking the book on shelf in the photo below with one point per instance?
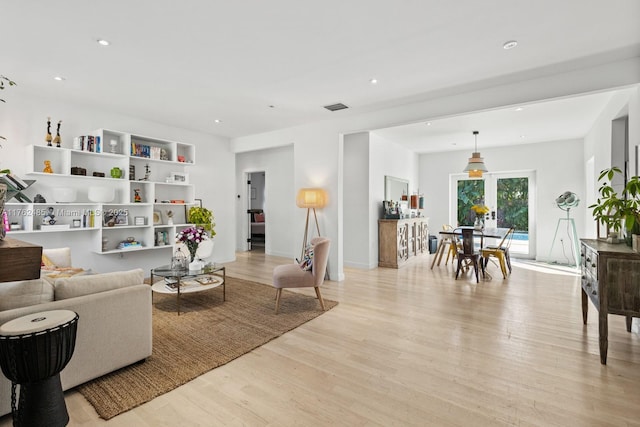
(15, 181)
(11, 183)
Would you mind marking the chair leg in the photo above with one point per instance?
(459, 267)
(475, 268)
(508, 258)
(278, 293)
(503, 266)
(319, 297)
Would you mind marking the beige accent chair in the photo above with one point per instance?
(293, 276)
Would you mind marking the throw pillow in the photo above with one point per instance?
(47, 263)
(25, 293)
(77, 286)
(307, 259)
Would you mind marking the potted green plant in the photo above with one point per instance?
(202, 217)
(618, 210)
(4, 82)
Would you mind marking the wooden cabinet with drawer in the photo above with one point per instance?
(611, 280)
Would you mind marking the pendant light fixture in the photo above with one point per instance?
(476, 166)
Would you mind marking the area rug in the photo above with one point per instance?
(208, 333)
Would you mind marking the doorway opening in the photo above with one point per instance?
(510, 197)
(257, 229)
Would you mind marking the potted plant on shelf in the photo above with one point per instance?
(203, 217)
(618, 211)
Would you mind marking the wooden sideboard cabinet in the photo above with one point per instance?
(611, 280)
(401, 239)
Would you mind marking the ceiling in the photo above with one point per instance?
(258, 66)
(557, 120)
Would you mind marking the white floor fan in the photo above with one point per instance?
(565, 202)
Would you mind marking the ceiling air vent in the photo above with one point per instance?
(336, 107)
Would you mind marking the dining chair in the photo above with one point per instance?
(453, 244)
(500, 252)
(468, 252)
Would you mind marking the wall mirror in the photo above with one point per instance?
(394, 188)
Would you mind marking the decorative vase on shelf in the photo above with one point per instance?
(479, 223)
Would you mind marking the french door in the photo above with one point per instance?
(510, 197)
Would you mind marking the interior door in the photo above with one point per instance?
(510, 197)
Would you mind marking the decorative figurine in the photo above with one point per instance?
(49, 218)
(170, 216)
(57, 140)
(39, 199)
(147, 173)
(114, 145)
(47, 167)
(48, 137)
(136, 195)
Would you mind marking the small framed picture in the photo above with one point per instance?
(179, 178)
(157, 218)
(139, 220)
(122, 218)
(76, 223)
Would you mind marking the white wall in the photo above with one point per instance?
(558, 166)
(368, 158)
(357, 250)
(277, 164)
(386, 158)
(598, 143)
(23, 121)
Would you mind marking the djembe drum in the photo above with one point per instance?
(33, 351)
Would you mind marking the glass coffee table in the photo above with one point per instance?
(178, 282)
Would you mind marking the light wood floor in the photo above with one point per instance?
(414, 347)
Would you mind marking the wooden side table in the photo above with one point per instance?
(19, 260)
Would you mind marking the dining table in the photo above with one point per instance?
(448, 236)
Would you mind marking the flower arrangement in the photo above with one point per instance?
(480, 209)
(192, 236)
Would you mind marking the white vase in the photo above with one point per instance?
(196, 265)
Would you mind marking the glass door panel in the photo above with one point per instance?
(470, 192)
(509, 197)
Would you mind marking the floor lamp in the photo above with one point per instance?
(566, 201)
(310, 198)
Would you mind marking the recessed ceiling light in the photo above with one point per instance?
(272, 106)
(521, 136)
(58, 78)
(217, 121)
(103, 42)
(510, 44)
(373, 81)
(519, 109)
(428, 123)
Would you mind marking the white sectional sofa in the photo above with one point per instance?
(114, 328)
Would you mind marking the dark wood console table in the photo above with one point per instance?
(19, 260)
(611, 280)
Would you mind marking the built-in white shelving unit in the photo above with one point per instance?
(153, 168)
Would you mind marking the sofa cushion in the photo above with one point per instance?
(25, 293)
(57, 257)
(71, 287)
